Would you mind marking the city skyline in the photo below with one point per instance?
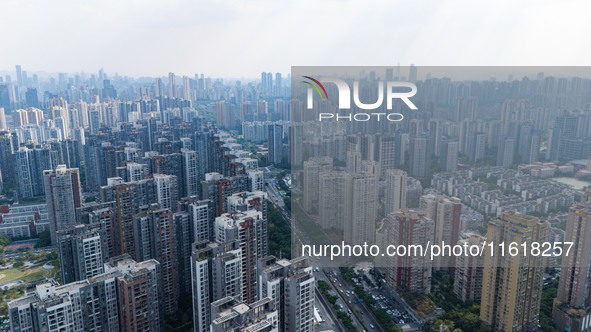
(190, 180)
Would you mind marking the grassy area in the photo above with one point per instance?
(420, 302)
(27, 274)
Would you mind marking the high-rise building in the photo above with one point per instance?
(8, 144)
(410, 272)
(155, 238)
(448, 155)
(2, 119)
(512, 285)
(19, 75)
(468, 271)
(332, 186)
(420, 156)
(243, 227)
(445, 213)
(395, 192)
(278, 84)
(30, 164)
(81, 253)
(387, 153)
(290, 285)
(244, 201)
(412, 73)
(138, 294)
(574, 288)
(312, 169)
(478, 146)
(166, 190)
(506, 152)
(191, 183)
(63, 194)
(216, 273)
(183, 227)
(361, 197)
(218, 188)
(171, 86)
(257, 180)
(5, 101)
(187, 88)
(275, 143)
(31, 98)
(127, 199)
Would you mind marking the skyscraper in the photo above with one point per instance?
(395, 192)
(31, 97)
(191, 183)
(410, 272)
(278, 84)
(506, 152)
(332, 188)
(81, 253)
(448, 157)
(171, 86)
(5, 101)
(2, 119)
(8, 144)
(574, 288)
(512, 285)
(445, 213)
(290, 285)
(166, 190)
(30, 164)
(19, 75)
(155, 238)
(468, 271)
(138, 295)
(478, 146)
(216, 273)
(63, 195)
(361, 197)
(244, 201)
(243, 227)
(420, 156)
(275, 143)
(312, 169)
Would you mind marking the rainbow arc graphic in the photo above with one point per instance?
(317, 86)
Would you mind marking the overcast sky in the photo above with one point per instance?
(243, 38)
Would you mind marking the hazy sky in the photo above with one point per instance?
(243, 38)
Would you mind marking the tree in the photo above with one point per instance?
(4, 240)
(44, 240)
(441, 325)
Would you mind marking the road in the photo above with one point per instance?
(346, 291)
(327, 313)
(343, 300)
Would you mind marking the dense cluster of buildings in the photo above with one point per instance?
(148, 205)
(152, 206)
(493, 190)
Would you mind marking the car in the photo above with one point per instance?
(371, 325)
